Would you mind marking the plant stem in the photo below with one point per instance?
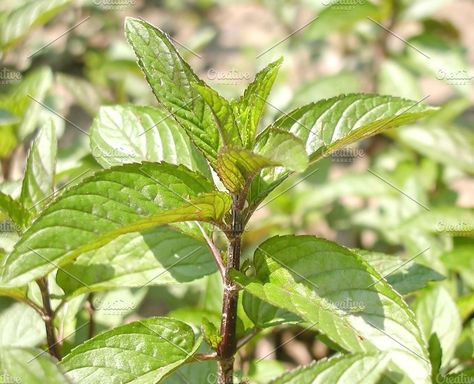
(228, 344)
(48, 318)
(90, 310)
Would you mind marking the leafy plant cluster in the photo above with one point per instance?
(172, 201)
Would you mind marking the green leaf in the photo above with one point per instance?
(25, 98)
(14, 210)
(21, 326)
(38, 183)
(451, 145)
(341, 295)
(282, 148)
(331, 124)
(396, 80)
(262, 371)
(15, 24)
(341, 16)
(264, 315)
(210, 333)
(437, 314)
(367, 368)
(30, 366)
(436, 354)
(325, 87)
(131, 134)
(120, 200)
(249, 108)
(223, 113)
(140, 352)
(152, 257)
(404, 276)
(237, 167)
(171, 79)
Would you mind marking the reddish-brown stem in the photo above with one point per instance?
(228, 345)
(48, 318)
(90, 310)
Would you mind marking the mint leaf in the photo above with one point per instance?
(131, 134)
(403, 275)
(331, 124)
(237, 167)
(171, 79)
(29, 365)
(249, 108)
(223, 113)
(341, 296)
(17, 23)
(438, 315)
(113, 202)
(359, 367)
(152, 257)
(14, 210)
(141, 352)
(21, 326)
(38, 183)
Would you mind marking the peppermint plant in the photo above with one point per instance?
(180, 183)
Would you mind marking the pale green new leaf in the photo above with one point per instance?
(237, 167)
(331, 124)
(153, 257)
(120, 200)
(14, 210)
(437, 313)
(131, 134)
(15, 24)
(341, 296)
(30, 366)
(38, 182)
(249, 108)
(142, 352)
(367, 368)
(223, 113)
(171, 79)
(21, 326)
